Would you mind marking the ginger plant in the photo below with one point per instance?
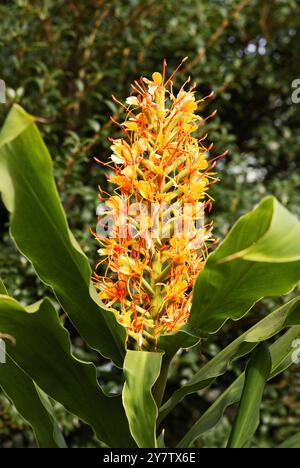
(158, 287)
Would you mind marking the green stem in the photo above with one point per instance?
(147, 287)
(164, 273)
(160, 385)
(173, 183)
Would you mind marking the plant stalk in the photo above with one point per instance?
(160, 385)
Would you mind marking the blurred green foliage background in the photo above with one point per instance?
(62, 60)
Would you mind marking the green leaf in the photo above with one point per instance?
(39, 227)
(21, 390)
(280, 243)
(2, 288)
(284, 316)
(161, 440)
(247, 418)
(42, 350)
(260, 257)
(141, 370)
(213, 415)
(283, 349)
(281, 354)
(292, 442)
(171, 343)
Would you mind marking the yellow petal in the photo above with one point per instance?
(132, 126)
(157, 78)
(132, 101)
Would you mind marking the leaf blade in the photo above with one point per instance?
(292, 442)
(247, 418)
(141, 371)
(20, 389)
(42, 350)
(39, 227)
(232, 282)
(3, 289)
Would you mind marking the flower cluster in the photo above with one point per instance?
(160, 171)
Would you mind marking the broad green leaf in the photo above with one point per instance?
(247, 417)
(141, 370)
(292, 442)
(39, 227)
(280, 243)
(42, 350)
(251, 263)
(281, 355)
(21, 390)
(286, 315)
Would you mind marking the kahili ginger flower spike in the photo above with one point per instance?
(158, 243)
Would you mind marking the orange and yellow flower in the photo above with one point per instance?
(158, 162)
